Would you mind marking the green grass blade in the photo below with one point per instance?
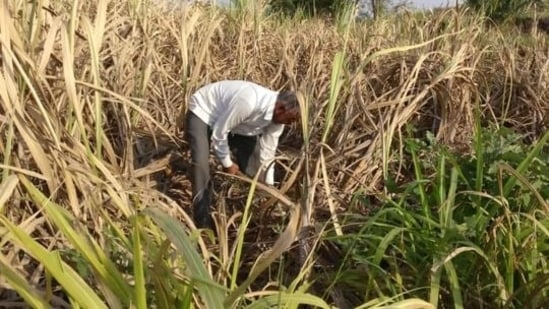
(187, 298)
(138, 270)
(281, 245)
(31, 296)
(336, 82)
(500, 283)
(434, 290)
(454, 284)
(479, 154)
(246, 217)
(420, 182)
(441, 185)
(446, 211)
(526, 163)
(407, 304)
(504, 166)
(211, 293)
(103, 266)
(72, 283)
(288, 300)
(385, 242)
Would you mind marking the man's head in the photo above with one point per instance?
(286, 109)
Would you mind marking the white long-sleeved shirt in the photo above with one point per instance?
(243, 108)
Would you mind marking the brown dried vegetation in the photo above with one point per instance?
(89, 103)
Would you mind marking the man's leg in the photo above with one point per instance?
(197, 136)
(243, 148)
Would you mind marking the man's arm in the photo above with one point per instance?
(268, 143)
(224, 124)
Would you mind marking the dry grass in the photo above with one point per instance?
(91, 95)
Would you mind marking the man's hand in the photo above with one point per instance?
(233, 169)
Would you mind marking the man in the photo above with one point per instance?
(240, 116)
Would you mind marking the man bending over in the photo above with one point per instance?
(237, 116)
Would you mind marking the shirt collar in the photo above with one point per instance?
(270, 108)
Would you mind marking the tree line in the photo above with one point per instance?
(495, 9)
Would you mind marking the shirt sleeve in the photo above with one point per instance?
(232, 117)
(268, 142)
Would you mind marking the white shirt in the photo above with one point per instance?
(243, 108)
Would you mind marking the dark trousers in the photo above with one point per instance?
(198, 136)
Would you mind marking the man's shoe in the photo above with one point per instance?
(201, 214)
(204, 221)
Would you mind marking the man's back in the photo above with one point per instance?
(212, 101)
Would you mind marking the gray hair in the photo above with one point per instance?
(288, 99)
